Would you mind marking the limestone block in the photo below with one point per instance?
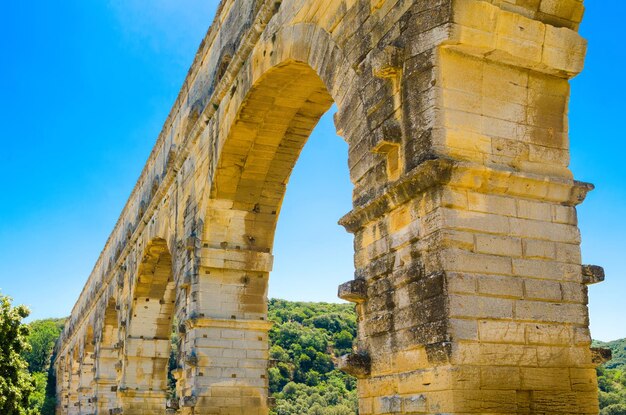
(601, 355)
(356, 364)
(592, 274)
(508, 36)
(354, 291)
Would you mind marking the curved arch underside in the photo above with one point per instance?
(274, 123)
(469, 288)
(147, 342)
(152, 307)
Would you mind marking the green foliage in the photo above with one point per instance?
(612, 379)
(50, 400)
(16, 384)
(172, 363)
(616, 409)
(38, 396)
(43, 335)
(305, 340)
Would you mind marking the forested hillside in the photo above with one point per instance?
(305, 341)
(612, 379)
(42, 337)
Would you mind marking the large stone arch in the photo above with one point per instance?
(469, 287)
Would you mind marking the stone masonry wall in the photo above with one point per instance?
(469, 288)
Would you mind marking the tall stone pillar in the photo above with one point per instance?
(62, 392)
(73, 399)
(105, 381)
(143, 387)
(224, 347)
(469, 285)
(85, 391)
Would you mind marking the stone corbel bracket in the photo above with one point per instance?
(592, 274)
(188, 401)
(354, 291)
(388, 62)
(600, 355)
(191, 359)
(356, 364)
(271, 402)
(194, 322)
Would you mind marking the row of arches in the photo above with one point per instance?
(201, 267)
(126, 350)
(467, 257)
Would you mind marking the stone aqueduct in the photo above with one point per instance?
(469, 289)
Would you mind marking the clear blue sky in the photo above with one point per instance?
(86, 85)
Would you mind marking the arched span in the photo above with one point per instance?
(293, 77)
(274, 121)
(264, 144)
(108, 365)
(146, 350)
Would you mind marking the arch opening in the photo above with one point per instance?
(144, 381)
(107, 359)
(263, 145)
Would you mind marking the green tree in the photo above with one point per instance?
(304, 340)
(38, 395)
(43, 335)
(16, 384)
(616, 409)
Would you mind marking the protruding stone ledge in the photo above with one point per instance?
(356, 364)
(600, 355)
(104, 381)
(503, 181)
(423, 177)
(238, 259)
(466, 175)
(592, 274)
(208, 322)
(354, 291)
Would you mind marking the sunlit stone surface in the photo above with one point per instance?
(469, 288)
